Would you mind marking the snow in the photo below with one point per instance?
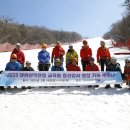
(63, 108)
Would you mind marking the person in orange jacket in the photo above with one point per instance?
(85, 54)
(127, 72)
(73, 66)
(57, 53)
(103, 55)
(92, 67)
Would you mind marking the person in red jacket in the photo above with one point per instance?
(92, 67)
(57, 53)
(103, 55)
(73, 66)
(85, 54)
(20, 55)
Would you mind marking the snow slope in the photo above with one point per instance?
(65, 108)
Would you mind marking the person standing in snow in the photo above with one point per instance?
(20, 55)
(85, 54)
(57, 53)
(73, 65)
(113, 65)
(44, 59)
(103, 55)
(127, 72)
(57, 66)
(70, 55)
(92, 67)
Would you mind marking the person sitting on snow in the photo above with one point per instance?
(44, 59)
(113, 65)
(57, 66)
(127, 72)
(92, 67)
(13, 64)
(73, 65)
(28, 67)
(70, 55)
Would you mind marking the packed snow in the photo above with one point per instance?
(63, 108)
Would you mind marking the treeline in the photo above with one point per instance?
(120, 30)
(13, 32)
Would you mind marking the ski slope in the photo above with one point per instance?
(65, 108)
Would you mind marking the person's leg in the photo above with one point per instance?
(102, 64)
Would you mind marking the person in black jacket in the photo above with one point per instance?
(28, 67)
(113, 65)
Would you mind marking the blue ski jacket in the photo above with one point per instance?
(43, 57)
(13, 66)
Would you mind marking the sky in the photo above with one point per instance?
(90, 18)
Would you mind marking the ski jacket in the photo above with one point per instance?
(43, 57)
(72, 67)
(13, 66)
(113, 67)
(103, 53)
(20, 56)
(27, 69)
(85, 53)
(93, 67)
(57, 68)
(127, 70)
(57, 52)
(71, 54)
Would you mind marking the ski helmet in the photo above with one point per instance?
(91, 59)
(44, 45)
(13, 56)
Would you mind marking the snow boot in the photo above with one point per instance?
(107, 86)
(117, 86)
(2, 88)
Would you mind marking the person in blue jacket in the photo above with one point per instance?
(13, 64)
(57, 66)
(44, 59)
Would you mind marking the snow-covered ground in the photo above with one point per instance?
(65, 108)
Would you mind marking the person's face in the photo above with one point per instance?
(18, 47)
(57, 63)
(28, 64)
(102, 44)
(13, 59)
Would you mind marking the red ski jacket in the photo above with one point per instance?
(103, 53)
(20, 56)
(85, 53)
(58, 51)
(72, 67)
(93, 67)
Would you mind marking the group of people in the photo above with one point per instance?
(17, 60)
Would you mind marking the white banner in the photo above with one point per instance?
(59, 78)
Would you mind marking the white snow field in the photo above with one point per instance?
(63, 108)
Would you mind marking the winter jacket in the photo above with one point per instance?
(127, 72)
(13, 66)
(93, 67)
(20, 56)
(43, 57)
(103, 53)
(27, 69)
(57, 68)
(85, 53)
(113, 67)
(57, 52)
(71, 54)
(72, 67)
